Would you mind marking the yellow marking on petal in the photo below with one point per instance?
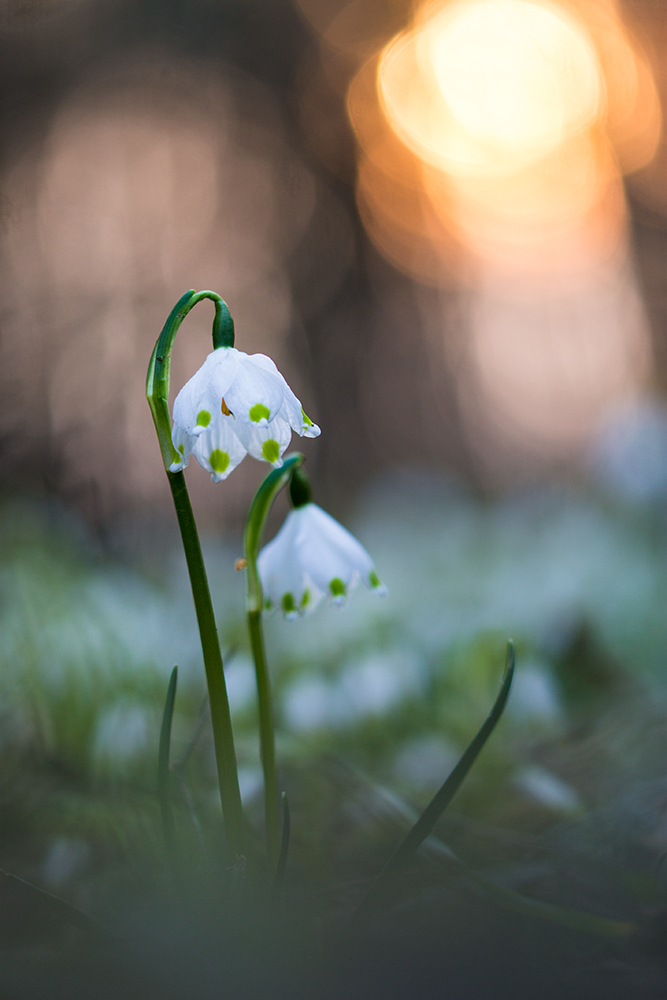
(258, 411)
(219, 460)
(271, 450)
(287, 603)
(225, 409)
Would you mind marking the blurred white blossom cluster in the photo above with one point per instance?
(99, 638)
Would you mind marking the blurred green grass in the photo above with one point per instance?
(374, 701)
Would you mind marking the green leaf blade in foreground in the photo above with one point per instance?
(279, 878)
(163, 764)
(434, 810)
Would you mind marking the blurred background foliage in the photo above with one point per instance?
(484, 349)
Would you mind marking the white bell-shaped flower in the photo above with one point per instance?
(312, 556)
(236, 404)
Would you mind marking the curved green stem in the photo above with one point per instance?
(157, 393)
(157, 380)
(257, 515)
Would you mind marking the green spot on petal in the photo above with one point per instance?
(181, 448)
(258, 411)
(219, 460)
(271, 450)
(203, 418)
(337, 587)
(374, 579)
(306, 419)
(287, 603)
(305, 599)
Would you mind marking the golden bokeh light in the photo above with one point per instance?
(498, 84)
(520, 117)
(517, 74)
(493, 140)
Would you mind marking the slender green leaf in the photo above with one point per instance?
(284, 850)
(60, 908)
(426, 822)
(163, 781)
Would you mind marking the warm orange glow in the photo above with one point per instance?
(494, 137)
(498, 84)
(517, 74)
(518, 117)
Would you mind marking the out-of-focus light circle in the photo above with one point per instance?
(485, 86)
(514, 72)
(513, 122)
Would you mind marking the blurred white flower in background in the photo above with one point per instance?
(240, 679)
(629, 455)
(236, 404)
(425, 761)
(368, 687)
(121, 734)
(66, 857)
(549, 790)
(313, 555)
(535, 695)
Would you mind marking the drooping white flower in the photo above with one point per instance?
(236, 404)
(312, 556)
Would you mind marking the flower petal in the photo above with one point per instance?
(283, 580)
(183, 443)
(293, 411)
(197, 405)
(219, 450)
(268, 443)
(313, 555)
(256, 394)
(330, 555)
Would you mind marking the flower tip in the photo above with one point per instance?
(311, 432)
(375, 584)
(291, 616)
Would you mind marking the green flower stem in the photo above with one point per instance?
(157, 380)
(257, 515)
(221, 720)
(157, 393)
(266, 739)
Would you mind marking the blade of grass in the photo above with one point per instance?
(577, 920)
(192, 813)
(442, 857)
(284, 850)
(163, 776)
(202, 719)
(60, 908)
(434, 810)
